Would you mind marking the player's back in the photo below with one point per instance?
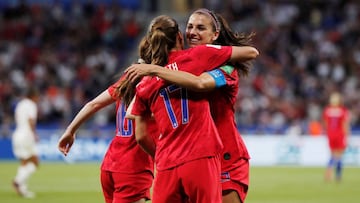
(25, 109)
(187, 129)
(124, 155)
(335, 117)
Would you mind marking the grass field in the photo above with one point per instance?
(74, 183)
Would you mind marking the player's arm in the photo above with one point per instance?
(243, 53)
(32, 124)
(89, 109)
(141, 116)
(142, 137)
(324, 121)
(128, 114)
(346, 124)
(205, 82)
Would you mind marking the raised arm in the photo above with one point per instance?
(204, 82)
(89, 109)
(243, 53)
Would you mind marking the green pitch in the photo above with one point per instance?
(73, 183)
(302, 185)
(55, 183)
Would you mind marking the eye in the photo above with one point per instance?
(202, 28)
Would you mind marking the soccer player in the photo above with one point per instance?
(336, 125)
(188, 149)
(202, 28)
(126, 171)
(24, 141)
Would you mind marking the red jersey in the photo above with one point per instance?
(187, 131)
(222, 103)
(124, 155)
(335, 119)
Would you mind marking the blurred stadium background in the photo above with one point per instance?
(72, 50)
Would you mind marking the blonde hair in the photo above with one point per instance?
(153, 48)
(335, 99)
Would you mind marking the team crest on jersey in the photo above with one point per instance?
(225, 176)
(214, 46)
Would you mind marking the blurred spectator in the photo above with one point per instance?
(69, 54)
(307, 51)
(71, 50)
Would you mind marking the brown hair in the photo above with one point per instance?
(230, 38)
(125, 90)
(161, 38)
(227, 37)
(214, 19)
(32, 92)
(154, 48)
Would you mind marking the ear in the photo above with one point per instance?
(216, 35)
(180, 39)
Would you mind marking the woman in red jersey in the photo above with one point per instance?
(336, 125)
(188, 149)
(206, 27)
(126, 170)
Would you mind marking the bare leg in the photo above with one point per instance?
(140, 201)
(230, 197)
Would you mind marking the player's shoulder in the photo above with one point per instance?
(26, 105)
(203, 47)
(26, 102)
(147, 85)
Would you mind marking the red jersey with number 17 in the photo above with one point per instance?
(187, 131)
(124, 155)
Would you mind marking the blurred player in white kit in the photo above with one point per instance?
(24, 141)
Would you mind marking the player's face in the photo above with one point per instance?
(199, 30)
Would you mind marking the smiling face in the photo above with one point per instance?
(200, 30)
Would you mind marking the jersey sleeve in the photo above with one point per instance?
(207, 57)
(212, 56)
(140, 106)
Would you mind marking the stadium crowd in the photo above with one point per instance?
(307, 50)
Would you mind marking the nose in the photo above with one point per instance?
(192, 31)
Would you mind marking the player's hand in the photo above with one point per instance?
(137, 71)
(65, 143)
